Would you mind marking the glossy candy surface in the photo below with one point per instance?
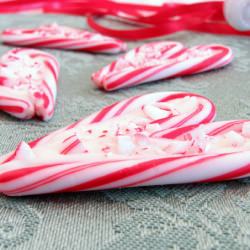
(112, 148)
(62, 37)
(160, 60)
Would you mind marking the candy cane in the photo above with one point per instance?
(28, 83)
(207, 153)
(114, 140)
(62, 37)
(160, 60)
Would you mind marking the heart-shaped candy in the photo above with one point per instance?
(62, 37)
(160, 60)
(28, 83)
(107, 149)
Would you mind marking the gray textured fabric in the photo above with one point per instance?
(207, 216)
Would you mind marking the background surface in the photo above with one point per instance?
(208, 216)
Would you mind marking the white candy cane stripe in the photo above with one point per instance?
(160, 60)
(106, 147)
(62, 37)
(28, 83)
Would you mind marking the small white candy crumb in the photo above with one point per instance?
(141, 139)
(247, 145)
(132, 126)
(24, 152)
(178, 147)
(125, 145)
(141, 120)
(162, 105)
(109, 154)
(235, 138)
(155, 113)
(189, 104)
(153, 127)
(246, 129)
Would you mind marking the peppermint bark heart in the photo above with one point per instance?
(160, 60)
(62, 37)
(28, 83)
(106, 147)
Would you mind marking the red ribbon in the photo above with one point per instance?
(156, 20)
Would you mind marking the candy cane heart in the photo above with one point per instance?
(104, 149)
(62, 37)
(28, 83)
(160, 60)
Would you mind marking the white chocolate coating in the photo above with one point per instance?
(120, 141)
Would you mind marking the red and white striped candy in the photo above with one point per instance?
(101, 151)
(218, 151)
(62, 37)
(28, 83)
(160, 60)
